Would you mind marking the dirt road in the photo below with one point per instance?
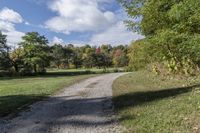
(85, 107)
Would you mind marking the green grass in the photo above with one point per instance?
(146, 103)
(17, 93)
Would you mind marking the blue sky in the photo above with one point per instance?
(79, 22)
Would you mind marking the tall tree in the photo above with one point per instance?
(58, 55)
(76, 58)
(88, 56)
(4, 53)
(36, 50)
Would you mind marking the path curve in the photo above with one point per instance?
(85, 107)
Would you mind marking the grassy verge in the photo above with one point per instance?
(146, 103)
(17, 93)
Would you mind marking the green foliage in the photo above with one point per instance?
(63, 56)
(172, 33)
(58, 54)
(88, 56)
(16, 57)
(138, 59)
(36, 56)
(33, 55)
(4, 53)
(179, 50)
(76, 57)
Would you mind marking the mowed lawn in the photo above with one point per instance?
(146, 103)
(17, 93)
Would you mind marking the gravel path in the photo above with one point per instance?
(85, 107)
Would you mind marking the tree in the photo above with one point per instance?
(120, 58)
(100, 60)
(36, 56)
(172, 31)
(88, 56)
(4, 53)
(106, 50)
(138, 58)
(58, 55)
(16, 57)
(69, 55)
(77, 57)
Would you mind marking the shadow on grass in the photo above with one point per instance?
(15, 103)
(64, 111)
(140, 98)
(59, 111)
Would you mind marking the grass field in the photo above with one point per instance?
(146, 103)
(18, 93)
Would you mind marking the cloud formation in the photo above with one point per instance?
(10, 15)
(79, 16)
(8, 19)
(82, 16)
(116, 34)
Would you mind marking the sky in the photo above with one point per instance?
(79, 22)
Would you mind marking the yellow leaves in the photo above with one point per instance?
(17, 53)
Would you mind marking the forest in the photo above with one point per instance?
(34, 55)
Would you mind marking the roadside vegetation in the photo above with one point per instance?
(148, 103)
(163, 94)
(172, 35)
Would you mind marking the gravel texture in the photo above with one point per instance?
(85, 107)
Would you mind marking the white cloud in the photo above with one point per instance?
(6, 26)
(27, 23)
(90, 15)
(10, 15)
(57, 40)
(79, 16)
(115, 35)
(13, 37)
(8, 19)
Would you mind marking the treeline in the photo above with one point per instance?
(34, 55)
(172, 31)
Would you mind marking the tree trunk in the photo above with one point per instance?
(16, 68)
(35, 68)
